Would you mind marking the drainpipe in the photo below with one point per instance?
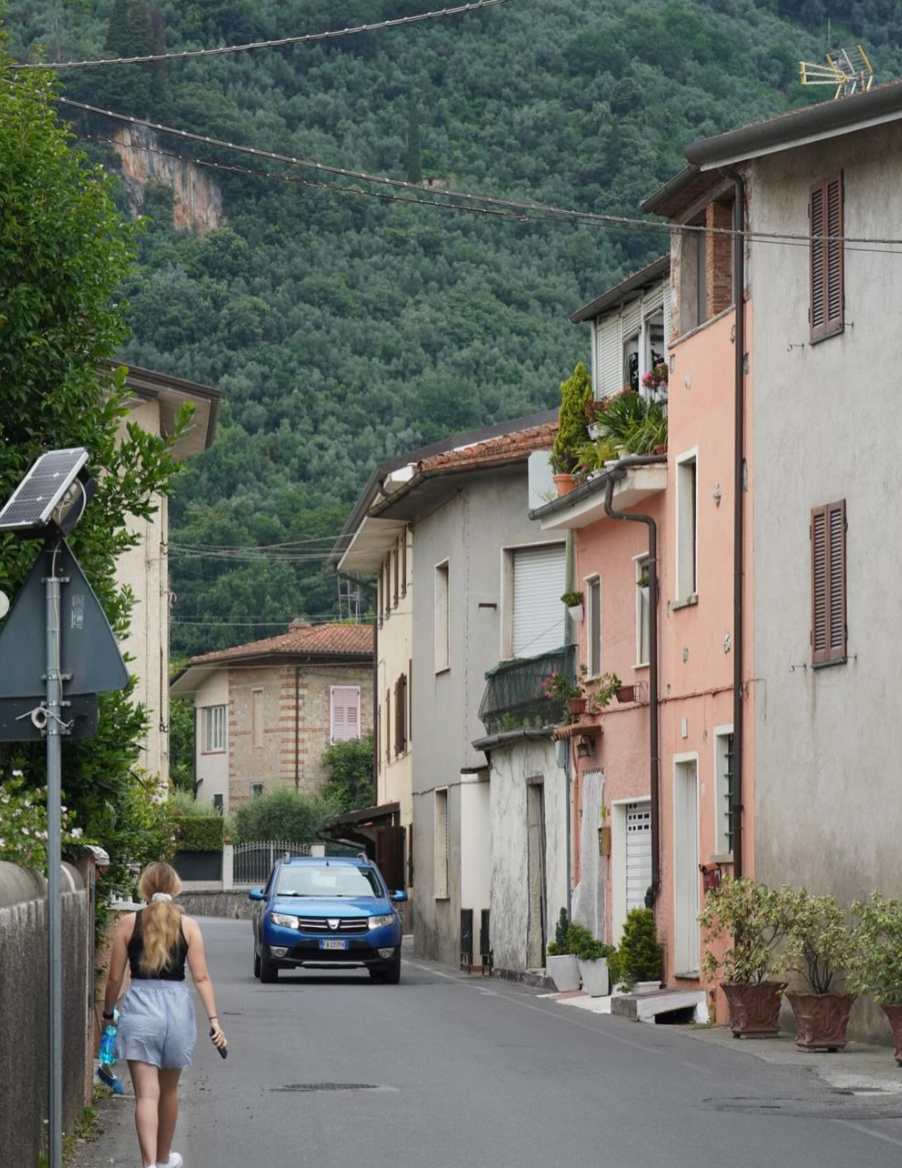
(297, 727)
(738, 508)
(617, 473)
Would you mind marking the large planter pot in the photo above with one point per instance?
(596, 982)
(564, 972)
(564, 483)
(754, 1009)
(894, 1015)
(577, 705)
(575, 611)
(821, 1020)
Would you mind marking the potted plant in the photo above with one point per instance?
(574, 603)
(563, 966)
(877, 968)
(820, 947)
(592, 955)
(750, 915)
(572, 431)
(558, 687)
(606, 686)
(641, 962)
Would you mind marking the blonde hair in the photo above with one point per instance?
(162, 920)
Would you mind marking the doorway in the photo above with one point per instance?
(686, 879)
(537, 926)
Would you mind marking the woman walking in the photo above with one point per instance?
(157, 1028)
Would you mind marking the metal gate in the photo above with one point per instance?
(253, 862)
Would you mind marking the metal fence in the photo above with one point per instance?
(253, 862)
(514, 698)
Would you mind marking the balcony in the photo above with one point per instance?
(513, 698)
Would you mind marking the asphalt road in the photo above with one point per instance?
(447, 1071)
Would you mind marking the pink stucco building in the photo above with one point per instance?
(655, 806)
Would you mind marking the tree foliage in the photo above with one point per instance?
(64, 255)
(350, 765)
(282, 815)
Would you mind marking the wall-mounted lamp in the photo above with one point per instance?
(584, 747)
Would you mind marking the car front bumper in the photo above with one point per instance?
(360, 953)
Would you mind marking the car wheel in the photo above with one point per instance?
(256, 964)
(377, 974)
(390, 976)
(269, 971)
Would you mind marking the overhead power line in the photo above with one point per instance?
(281, 42)
(528, 209)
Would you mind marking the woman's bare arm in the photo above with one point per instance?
(197, 963)
(118, 961)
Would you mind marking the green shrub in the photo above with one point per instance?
(586, 947)
(559, 946)
(199, 833)
(640, 954)
(573, 426)
(183, 803)
(614, 970)
(283, 815)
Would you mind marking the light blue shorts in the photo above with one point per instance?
(157, 1024)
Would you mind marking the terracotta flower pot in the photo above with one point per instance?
(577, 705)
(625, 693)
(894, 1014)
(754, 1009)
(564, 483)
(821, 1020)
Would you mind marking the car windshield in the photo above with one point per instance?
(328, 880)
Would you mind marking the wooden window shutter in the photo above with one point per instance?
(410, 701)
(828, 583)
(825, 223)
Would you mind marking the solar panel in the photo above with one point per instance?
(35, 498)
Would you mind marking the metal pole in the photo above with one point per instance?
(54, 861)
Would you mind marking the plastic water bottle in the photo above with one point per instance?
(107, 1053)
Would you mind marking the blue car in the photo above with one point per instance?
(327, 913)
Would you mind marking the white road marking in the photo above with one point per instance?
(868, 1132)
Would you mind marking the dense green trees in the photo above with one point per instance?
(344, 329)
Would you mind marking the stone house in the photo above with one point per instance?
(266, 711)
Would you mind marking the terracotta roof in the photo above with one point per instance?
(506, 448)
(319, 640)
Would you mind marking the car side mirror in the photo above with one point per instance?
(256, 894)
(399, 895)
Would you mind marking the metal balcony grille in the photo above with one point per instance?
(513, 698)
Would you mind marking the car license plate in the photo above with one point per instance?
(332, 943)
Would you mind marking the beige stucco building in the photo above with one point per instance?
(267, 711)
(155, 401)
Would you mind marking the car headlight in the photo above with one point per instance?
(284, 920)
(381, 922)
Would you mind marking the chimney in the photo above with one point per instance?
(299, 623)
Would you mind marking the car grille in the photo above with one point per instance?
(345, 925)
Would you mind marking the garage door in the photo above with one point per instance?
(539, 580)
(638, 853)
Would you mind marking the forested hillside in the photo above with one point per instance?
(343, 328)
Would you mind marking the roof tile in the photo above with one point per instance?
(320, 640)
(506, 448)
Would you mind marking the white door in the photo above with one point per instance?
(539, 581)
(638, 853)
(687, 940)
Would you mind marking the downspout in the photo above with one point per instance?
(568, 764)
(617, 473)
(738, 510)
(297, 727)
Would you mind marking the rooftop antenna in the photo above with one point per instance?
(848, 70)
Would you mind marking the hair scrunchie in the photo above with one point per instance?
(160, 896)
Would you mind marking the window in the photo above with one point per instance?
(388, 726)
(442, 618)
(257, 717)
(593, 626)
(535, 577)
(706, 268)
(825, 223)
(386, 587)
(401, 715)
(723, 789)
(217, 803)
(404, 564)
(441, 844)
(643, 611)
(828, 584)
(687, 528)
(256, 790)
(345, 720)
(410, 701)
(396, 575)
(214, 732)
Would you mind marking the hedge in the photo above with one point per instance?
(199, 833)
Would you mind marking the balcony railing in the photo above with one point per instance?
(513, 698)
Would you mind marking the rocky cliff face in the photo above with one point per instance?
(197, 205)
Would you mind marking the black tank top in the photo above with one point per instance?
(173, 971)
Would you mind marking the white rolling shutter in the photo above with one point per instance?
(638, 853)
(653, 299)
(538, 618)
(631, 318)
(667, 321)
(608, 356)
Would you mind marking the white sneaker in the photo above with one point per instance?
(174, 1161)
